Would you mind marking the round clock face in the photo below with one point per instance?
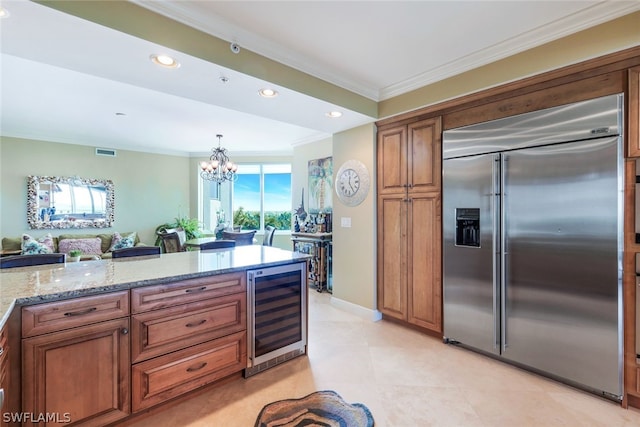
(352, 183)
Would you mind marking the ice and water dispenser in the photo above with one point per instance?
(468, 227)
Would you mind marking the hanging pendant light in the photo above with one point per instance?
(219, 168)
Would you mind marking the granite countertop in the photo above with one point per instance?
(34, 285)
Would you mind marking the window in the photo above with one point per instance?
(262, 196)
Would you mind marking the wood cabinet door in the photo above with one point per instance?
(424, 284)
(392, 259)
(80, 375)
(424, 155)
(392, 160)
(633, 105)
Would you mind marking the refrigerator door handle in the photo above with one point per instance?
(495, 222)
(503, 253)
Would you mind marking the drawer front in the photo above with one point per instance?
(171, 294)
(165, 377)
(158, 332)
(55, 316)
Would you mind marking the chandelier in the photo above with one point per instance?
(219, 168)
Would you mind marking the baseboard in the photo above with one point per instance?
(358, 310)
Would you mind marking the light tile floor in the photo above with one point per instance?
(406, 379)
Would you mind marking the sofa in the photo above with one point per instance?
(94, 244)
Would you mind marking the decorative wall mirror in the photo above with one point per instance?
(69, 202)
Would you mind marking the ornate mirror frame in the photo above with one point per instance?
(38, 216)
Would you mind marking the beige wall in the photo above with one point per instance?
(300, 166)
(354, 248)
(150, 189)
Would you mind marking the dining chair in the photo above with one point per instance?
(269, 231)
(241, 237)
(170, 242)
(30, 260)
(135, 251)
(182, 235)
(218, 244)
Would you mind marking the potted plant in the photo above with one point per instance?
(191, 227)
(74, 255)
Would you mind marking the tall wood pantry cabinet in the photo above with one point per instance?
(409, 223)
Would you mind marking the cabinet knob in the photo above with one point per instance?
(125, 331)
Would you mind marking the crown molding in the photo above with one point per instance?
(597, 14)
(587, 18)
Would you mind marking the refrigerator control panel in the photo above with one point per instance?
(468, 227)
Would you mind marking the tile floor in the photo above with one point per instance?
(407, 379)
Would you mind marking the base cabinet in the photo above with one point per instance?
(409, 270)
(4, 375)
(186, 335)
(95, 360)
(77, 376)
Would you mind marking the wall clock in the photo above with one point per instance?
(352, 182)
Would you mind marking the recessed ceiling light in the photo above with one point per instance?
(4, 13)
(334, 114)
(268, 93)
(164, 61)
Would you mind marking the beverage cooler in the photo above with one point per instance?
(277, 315)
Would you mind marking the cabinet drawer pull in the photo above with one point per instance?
(1, 350)
(192, 325)
(125, 331)
(80, 313)
(200, 289)
(197, 368)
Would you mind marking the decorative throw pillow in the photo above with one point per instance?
(121, 242)
(43, 245)
(86, 246)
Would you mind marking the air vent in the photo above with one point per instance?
(105, 152)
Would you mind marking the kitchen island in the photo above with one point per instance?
(102, 340)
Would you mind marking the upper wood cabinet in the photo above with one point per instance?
(633, 105)
(409, 157)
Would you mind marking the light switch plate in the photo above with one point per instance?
(345, 222)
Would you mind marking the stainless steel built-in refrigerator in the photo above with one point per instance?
(532, 241)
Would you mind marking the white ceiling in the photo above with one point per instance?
(65, 79)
